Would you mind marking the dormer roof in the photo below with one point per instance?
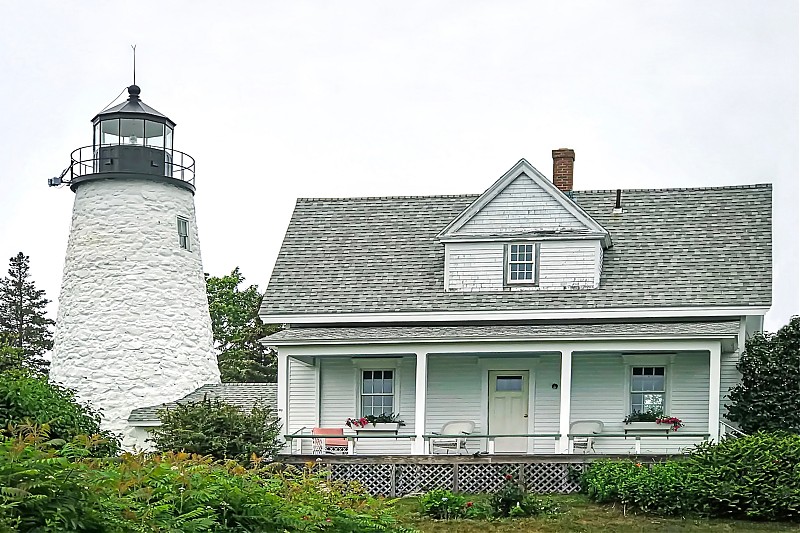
(523, 203)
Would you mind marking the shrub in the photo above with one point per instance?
(54, 489)
(443, 504)
(509, 496)
(768, 398)
(26, 398)
(212, 427)
(755, 477)
(660, 488)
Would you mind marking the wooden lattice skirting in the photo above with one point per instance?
(394, 477)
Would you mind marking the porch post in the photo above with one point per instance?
(283, 391)
(713, 391)
(566, 395)
(419, 403)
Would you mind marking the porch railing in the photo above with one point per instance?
(492, 437)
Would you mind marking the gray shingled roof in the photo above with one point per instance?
(671, 247)
(241, 395)
(506, 332)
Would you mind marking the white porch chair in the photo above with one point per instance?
(585, 426)
(333, 445)
(456, 427)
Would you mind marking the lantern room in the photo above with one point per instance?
(132, 140)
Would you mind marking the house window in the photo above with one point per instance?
(648, 389)
(377, 392)
(183, 233)
(523, 263)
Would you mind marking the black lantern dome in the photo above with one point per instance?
(132, 140)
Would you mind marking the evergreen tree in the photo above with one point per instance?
(23, 324)
(237, 330)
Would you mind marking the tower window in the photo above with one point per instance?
(183, 233)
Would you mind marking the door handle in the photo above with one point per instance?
(525, 415)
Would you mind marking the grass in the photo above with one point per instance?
(582, 516)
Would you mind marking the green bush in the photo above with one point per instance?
(47, 489)
(443, 504)
(755, 477)
(27, 398)
(212, 427)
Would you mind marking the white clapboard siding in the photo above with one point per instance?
(475, 266)
(302, 404)
(454, 393)
(546, 402)
(338, 400)
(521, 206)
(596, 377)
(478, 267)
(569, 264)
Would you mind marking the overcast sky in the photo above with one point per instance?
(279, 100)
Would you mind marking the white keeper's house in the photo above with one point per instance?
(532, 318)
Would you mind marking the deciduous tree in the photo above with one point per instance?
(237, 330)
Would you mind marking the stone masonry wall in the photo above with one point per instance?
(133, 327)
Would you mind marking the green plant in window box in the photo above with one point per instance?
(383, 418)
(654, 416)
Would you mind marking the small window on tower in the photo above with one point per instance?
(183, 233)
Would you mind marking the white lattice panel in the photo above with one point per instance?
(479, 478)
(376, 479)
(422, 478)
(549, 477)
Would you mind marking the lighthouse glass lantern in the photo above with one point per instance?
(132, 137)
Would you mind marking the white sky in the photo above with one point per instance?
(279, 100)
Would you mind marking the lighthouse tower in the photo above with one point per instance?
(133, 327)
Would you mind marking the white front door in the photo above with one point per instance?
(508, 409)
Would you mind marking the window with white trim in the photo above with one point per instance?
(183, 233)
(377, 392)
(648, 389)
(523, 263)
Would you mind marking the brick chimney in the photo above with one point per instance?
(563, 164)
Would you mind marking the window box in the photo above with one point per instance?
(385, 427)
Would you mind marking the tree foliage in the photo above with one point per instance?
(27, 398)
(23, 323)
(237, 330)
(768, 397)
(212, 427)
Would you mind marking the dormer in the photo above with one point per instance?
(525, 233)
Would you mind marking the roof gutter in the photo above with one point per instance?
(540, 314)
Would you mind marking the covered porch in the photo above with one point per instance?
(514, 390)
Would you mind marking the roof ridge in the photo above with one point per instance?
(706, 188)
(473, 195)
(412, 197)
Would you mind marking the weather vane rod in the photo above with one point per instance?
(134, 63)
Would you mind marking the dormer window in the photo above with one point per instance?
(523, 263)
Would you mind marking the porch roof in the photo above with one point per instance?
(359, 335)
(241, 395)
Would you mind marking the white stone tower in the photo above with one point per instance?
(133, 327)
